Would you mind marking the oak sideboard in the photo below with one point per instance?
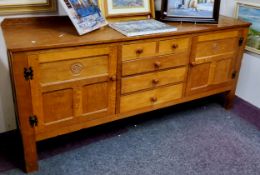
(63, 82)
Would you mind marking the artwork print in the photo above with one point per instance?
(120, 4)
(85, 14)
(251, 14)
(191, 8)
(119, 8)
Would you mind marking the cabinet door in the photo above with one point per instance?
(213, 61)
(72, 87)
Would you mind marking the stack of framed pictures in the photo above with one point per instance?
(249, 11)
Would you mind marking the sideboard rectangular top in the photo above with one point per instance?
(28, 34)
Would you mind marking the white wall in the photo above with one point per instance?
(249, 83)
(7, 115)
(248, 86)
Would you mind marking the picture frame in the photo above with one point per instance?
(250, 12)
(127, 9)
(197, 11)
(8, 7)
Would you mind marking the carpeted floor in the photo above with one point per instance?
(183, 140)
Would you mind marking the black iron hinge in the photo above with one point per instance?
(234, 74)
(28, 73)
(241, 41)
(33, 120)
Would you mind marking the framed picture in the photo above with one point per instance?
(127, 8)
(26, 6)
(251, 13)
(190, 10)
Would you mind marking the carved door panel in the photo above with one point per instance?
(213, 61)
(72, 86)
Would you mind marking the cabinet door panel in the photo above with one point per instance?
(95, 97)
(57, 106)
(199, 76)
(63, 98)
(212, 61)
(222, 71)
(205, 76)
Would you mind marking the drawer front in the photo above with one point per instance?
(218, 49)
(151, 80)
(138, 50)
(214, 47)
(150, 98)
(174, 46)
(53, 72)
(156, 63)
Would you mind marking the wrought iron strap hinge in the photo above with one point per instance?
(234, 74)
(33, 120)
(241, 41)
(28, 73)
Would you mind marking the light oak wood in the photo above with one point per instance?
(84, 81)
(153, 80)
(150, 98)
(212, 60)
(174, 46)
(154, 63)
(138, 50)
(54, 72)
(63, 93)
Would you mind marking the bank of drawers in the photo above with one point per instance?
(153, 72)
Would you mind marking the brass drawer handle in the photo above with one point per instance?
(155, 81)
(112, 78)
(157, 64)
(175, 46)
(154, 99)
(139, 51)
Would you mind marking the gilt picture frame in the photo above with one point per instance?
(250, 12)
(197, 11)
(127, 8)
(9, 7)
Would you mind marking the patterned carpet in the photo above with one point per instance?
(198, 138)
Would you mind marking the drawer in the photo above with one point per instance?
(151, 80)
(138, 50)
(213, 50)
(150, 98)
(155, 63)
(60, 71)
(174, 46)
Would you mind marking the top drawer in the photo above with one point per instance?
(174, 46)
(138, 50)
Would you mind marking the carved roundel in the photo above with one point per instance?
(76, 68)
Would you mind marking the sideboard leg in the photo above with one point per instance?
(229, 99)
(30, 153)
